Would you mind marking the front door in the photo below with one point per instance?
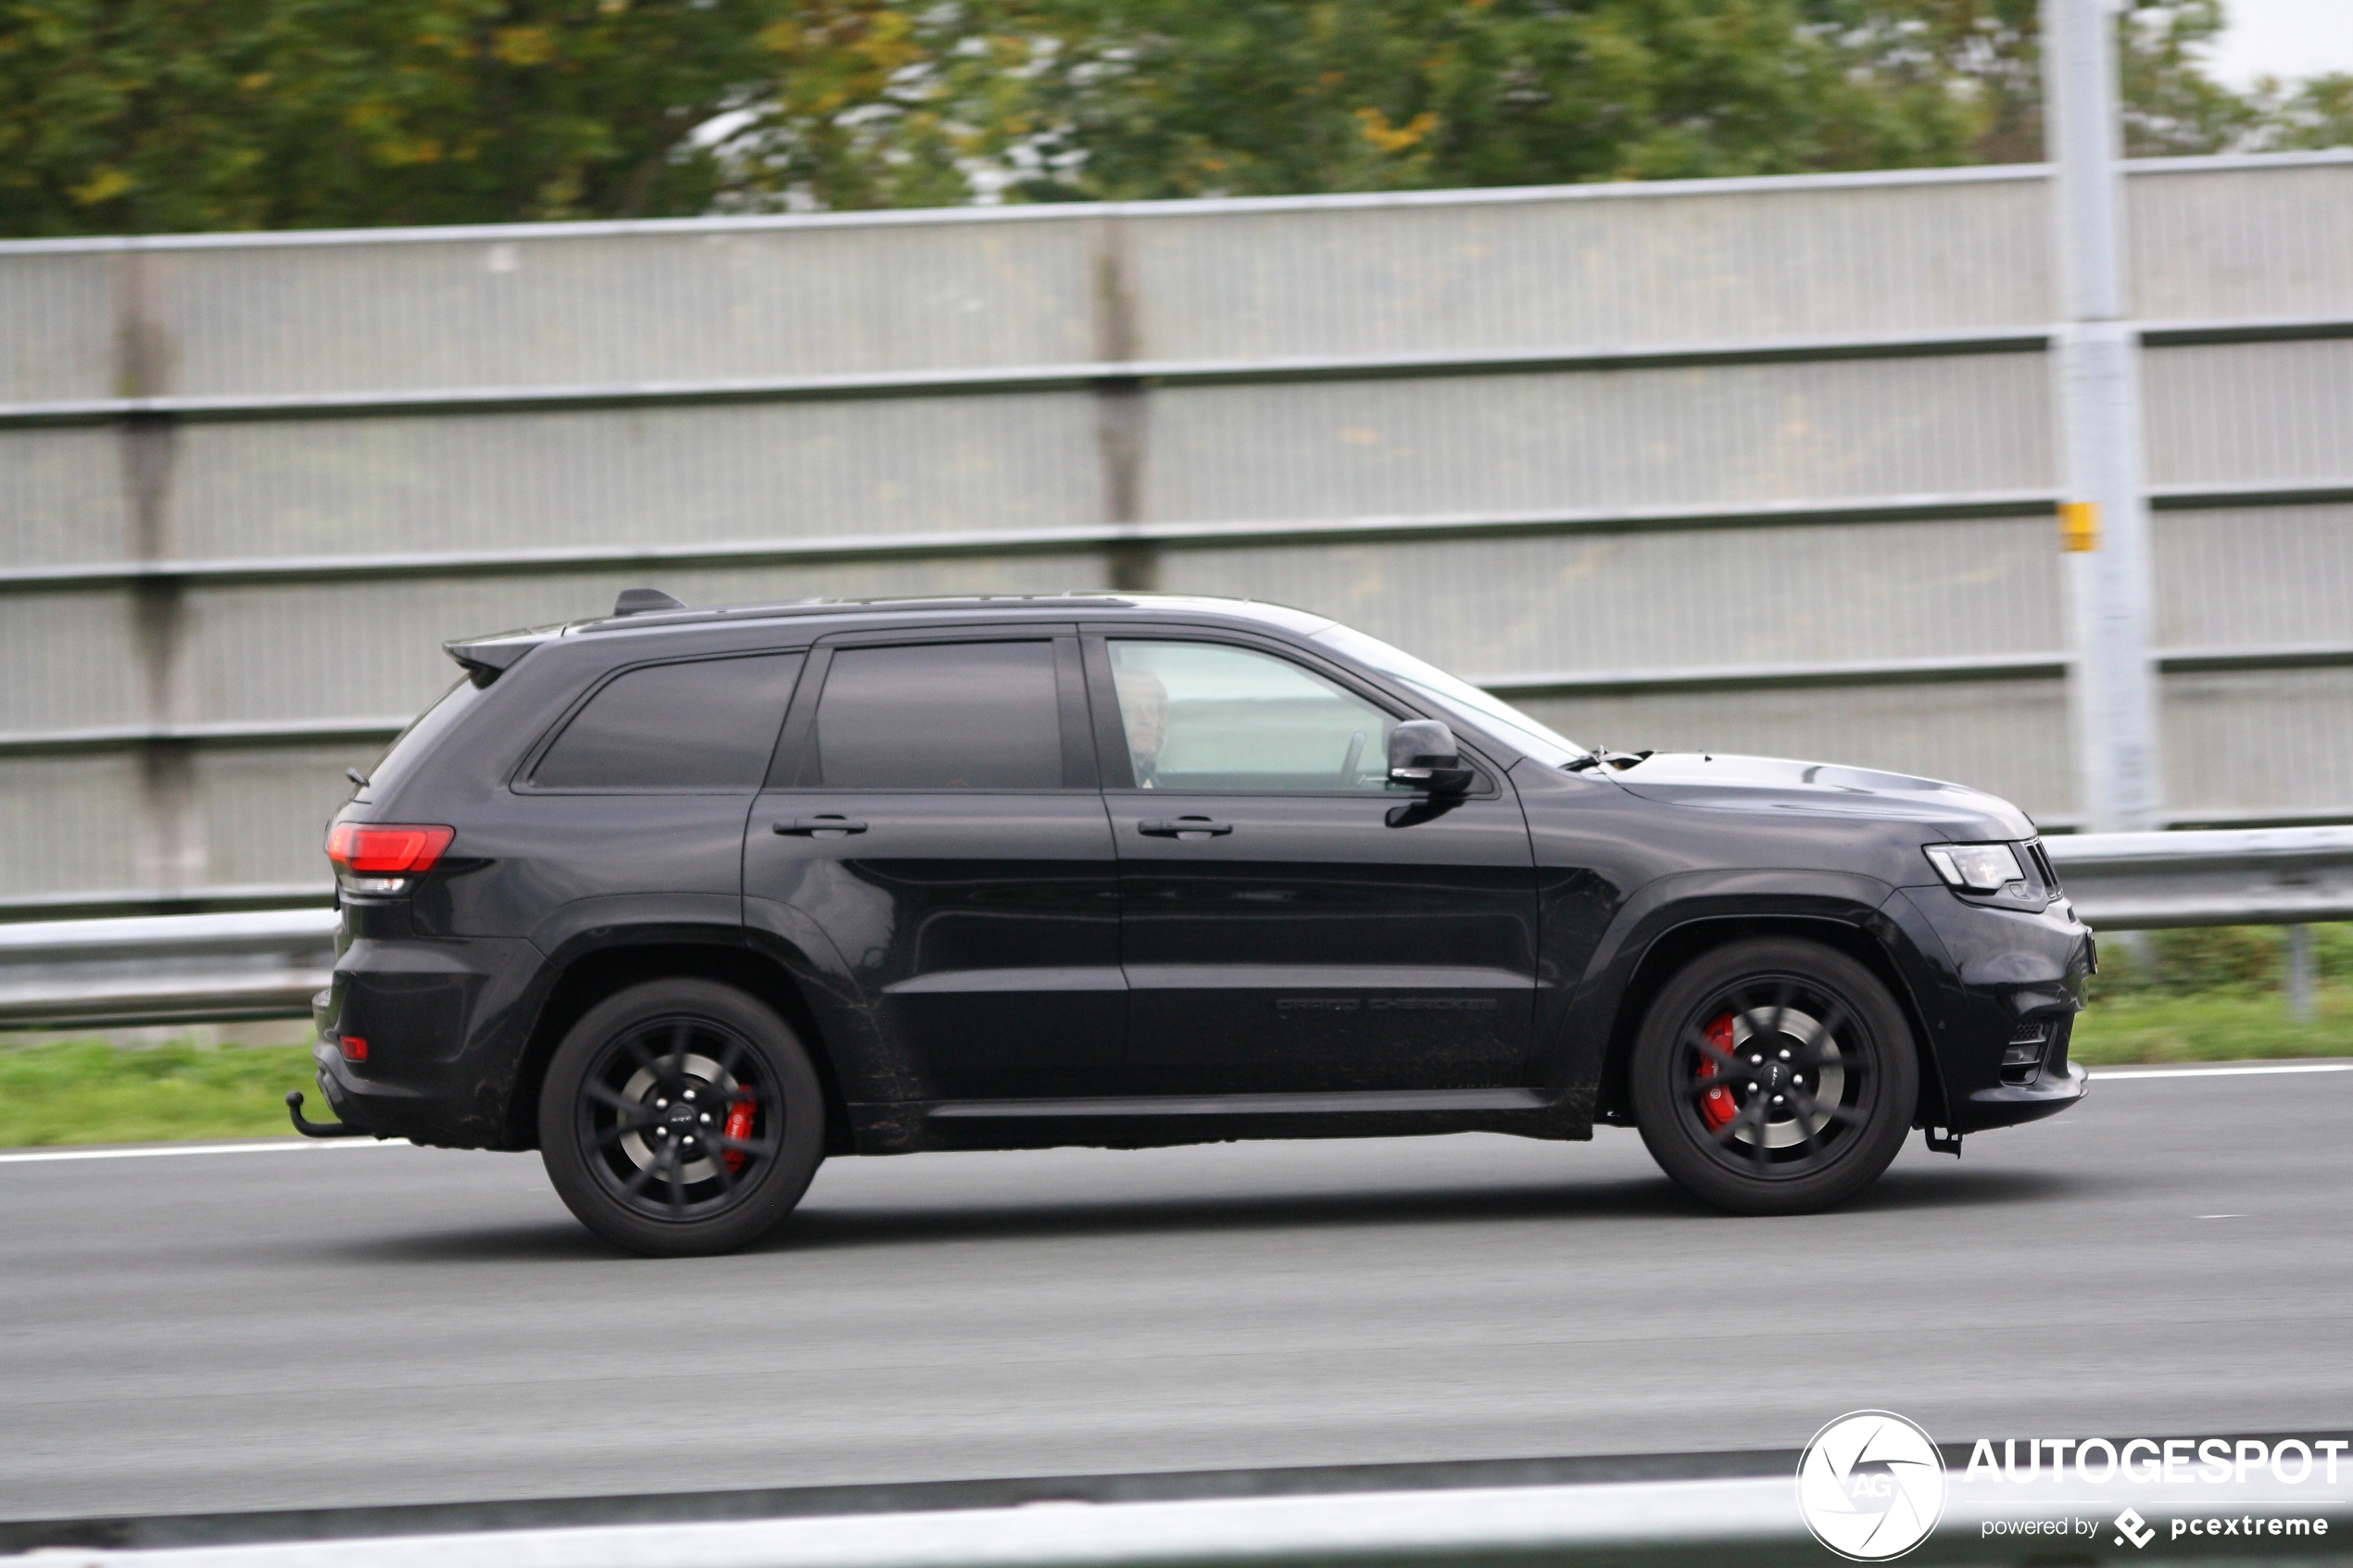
(934, 811)
(1291, 921)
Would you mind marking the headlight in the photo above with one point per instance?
(1979, 867)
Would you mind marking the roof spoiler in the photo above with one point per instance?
(486, 659)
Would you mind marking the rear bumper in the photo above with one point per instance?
(356, 1102)
(445, 1022)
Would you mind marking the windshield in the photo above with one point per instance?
(1480, 709)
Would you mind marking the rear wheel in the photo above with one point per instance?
(680, 1117)
(1774, 1076)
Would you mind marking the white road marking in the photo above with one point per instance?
(2109, 1075)
(159, 1151)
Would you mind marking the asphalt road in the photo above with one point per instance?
(350, 1325)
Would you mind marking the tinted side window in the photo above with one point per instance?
(1201, 716)
(943, 716)
(705, 724)
(415, 742)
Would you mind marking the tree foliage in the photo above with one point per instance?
(119, 116)
(2307, 116)
(1132, 99)
(132, 115)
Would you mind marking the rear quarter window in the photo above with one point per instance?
(698, 725)
(414, 744)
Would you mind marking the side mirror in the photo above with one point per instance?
(1423, 753)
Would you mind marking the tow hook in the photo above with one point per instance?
(310, 1129)
(1949, 1144)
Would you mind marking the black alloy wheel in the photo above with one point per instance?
(1774, 1076)
(680, 1117)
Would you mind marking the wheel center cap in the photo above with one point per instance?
(682, 1116)
(1776, 1077)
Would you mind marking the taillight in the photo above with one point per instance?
(381, 857)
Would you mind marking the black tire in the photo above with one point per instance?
(1836, 1077)
(681, 1118)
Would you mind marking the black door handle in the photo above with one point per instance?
(1183, 826)
(809, 827)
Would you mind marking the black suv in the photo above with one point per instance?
(688, 899)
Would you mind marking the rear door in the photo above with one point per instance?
(1291, 921)
(934, 811)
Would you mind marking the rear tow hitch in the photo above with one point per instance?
(310, 1129)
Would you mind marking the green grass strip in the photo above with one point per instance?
(2140, 1027)
(89, 1091)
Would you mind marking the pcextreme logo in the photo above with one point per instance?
(1870, 1486)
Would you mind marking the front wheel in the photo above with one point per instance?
(1774, 1076)
(680, 1117)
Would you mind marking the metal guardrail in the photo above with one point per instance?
(166, 968)
(2242, 876)
(1713, 1521)
(1752, 1522)
(210, 968)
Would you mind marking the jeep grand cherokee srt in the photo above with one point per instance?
(688, 899)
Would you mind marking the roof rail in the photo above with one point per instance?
(633, 618)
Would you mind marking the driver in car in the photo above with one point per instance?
(1143, 709)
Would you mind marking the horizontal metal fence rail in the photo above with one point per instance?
(948, 543)
(1079, 376)
(1087, 375)
(213, 967)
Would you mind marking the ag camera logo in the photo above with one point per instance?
(1870, 1486)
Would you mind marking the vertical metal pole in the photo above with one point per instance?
(2299, 974)
(2112, 692)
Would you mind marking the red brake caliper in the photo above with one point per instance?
(1717, 1106)
(738, 1127)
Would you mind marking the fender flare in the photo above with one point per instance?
(1586, 1047)
(607, 932)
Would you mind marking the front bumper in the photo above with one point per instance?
(2005, 1105)
(1998, 983)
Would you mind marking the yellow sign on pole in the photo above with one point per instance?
(2079, 525)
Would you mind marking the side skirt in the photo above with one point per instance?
(1161, 1120)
